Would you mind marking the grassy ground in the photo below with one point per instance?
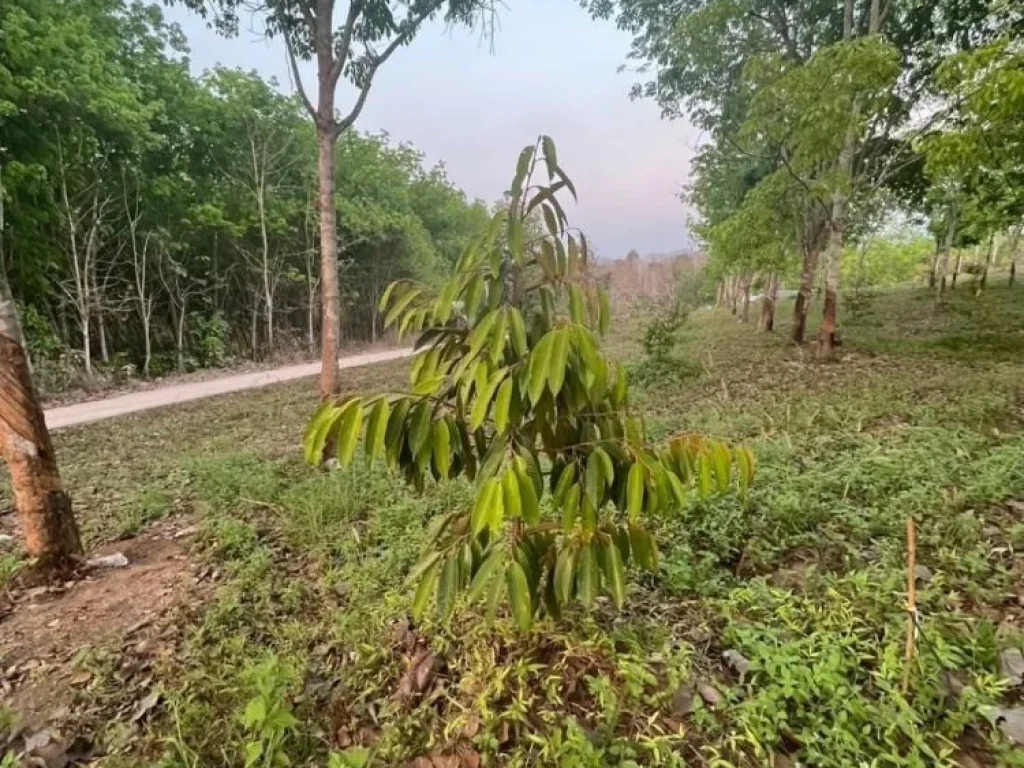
(302, 648)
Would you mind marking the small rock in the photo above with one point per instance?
(188, 531)
(37, 740)
(145, 705)
(923, 573)
(1009, 721)
(710, 695)
(736, 660)
(682, 701)
(6, 542)
(1011, 666)
(116, 560)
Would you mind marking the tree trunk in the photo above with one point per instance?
(254, 327)
(720, 296)
(935, 264)
(746, 297)
(768, 301)
(330, 303)
(101, 329)
(268, 311)
(44, 507)
(86, 340)
(1013, 271)
(179, 336)
(988, 261)
(803, 296)
(734, 290)
(947, 245)
(956, 270)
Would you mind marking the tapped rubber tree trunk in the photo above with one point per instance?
(44, 507)
(803, 296)
(329, 301)
(771, 295)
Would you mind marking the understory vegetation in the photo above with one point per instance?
(772, 633)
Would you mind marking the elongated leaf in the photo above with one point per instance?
(565, 575)
(442, 447)
(448, 588)
(558, 361)
(570, 507)
(502, 405)
(564, 481)
(577, 306)
(425, 589)
(522, 169)
(488, 568)
(510, 495)
(484, 398)
(419, 432)
(615, 573)
(324, 418)
(376, 428)
(720, 464)
(605, 314)
(588, 578)
(481, 334)
(528, 497)
(635, 491)
(498, 338)
(519, 595)
(485, 500)
(400, 306)
(550, 155)
(745, 467)
(551, 221)
(705, 478)
(607, 467)
(640, 543)
(348, 432)
(594, 482)
(545, 195)
(540, 363)
(517, 332)
(421, 567)
(515, 239)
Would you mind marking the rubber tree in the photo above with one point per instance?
(44, 507)
(353, 42)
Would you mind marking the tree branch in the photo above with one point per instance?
(293, 62)
(354, 9)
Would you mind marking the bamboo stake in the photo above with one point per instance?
(911, 601)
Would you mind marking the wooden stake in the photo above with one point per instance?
(911, 601)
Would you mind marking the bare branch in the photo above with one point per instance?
(341, 56)
(293, 62)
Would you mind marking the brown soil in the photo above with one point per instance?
(50, 630)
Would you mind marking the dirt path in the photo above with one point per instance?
(95, 410)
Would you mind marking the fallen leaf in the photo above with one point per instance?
(145, 705)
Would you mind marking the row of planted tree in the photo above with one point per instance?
(154, 220)
(829, 122)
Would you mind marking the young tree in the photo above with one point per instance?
(509, 381)
(370, 32)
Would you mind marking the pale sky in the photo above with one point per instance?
(552, 70)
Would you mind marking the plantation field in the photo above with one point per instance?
(264, 616)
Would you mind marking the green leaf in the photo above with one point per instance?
(424, 565)
(425, 589)
(705, 480)
(502, 404)
(400, 306)
(635, 491)
(570, 508)
(640, 543)
(614, 571)
(550, 155)
(565, 574)
(720, 463)
(577, 305)
(551, 222)
(419, 432)
(522, 169)
(348, 433)
(588, 578)
(607, 467)
(540, 362)
(517, 332)
(595, 482)
(484, 398)
(559, 358)
(498, 337)
(527, 496)
(745, 465)
(564, 481)
(515, 239)
(480, 335)
(519, 595)
(323, 420)
(376, 429)
(442, 440)
(448, 588)
(510, 493)
(605, 314)
(483, 574)
(486, 498)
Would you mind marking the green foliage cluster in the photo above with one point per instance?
(187, 203)
(509, 386)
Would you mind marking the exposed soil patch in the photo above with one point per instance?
(49, 629)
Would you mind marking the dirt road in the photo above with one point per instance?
(95, 410)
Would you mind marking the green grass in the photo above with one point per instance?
(922, 417)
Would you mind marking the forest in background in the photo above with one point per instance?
(157, 221)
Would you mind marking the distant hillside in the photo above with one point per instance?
(649, 278)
